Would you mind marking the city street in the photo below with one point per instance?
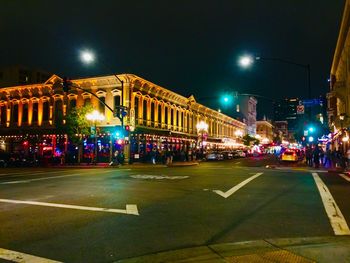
(109, 214)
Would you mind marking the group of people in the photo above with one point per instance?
(330, 158)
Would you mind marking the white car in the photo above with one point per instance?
(239, 154)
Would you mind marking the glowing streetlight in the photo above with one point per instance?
(95, 116)
(246, 61)
(202, 128)
(87, 56)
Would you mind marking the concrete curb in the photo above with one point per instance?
(313, 249)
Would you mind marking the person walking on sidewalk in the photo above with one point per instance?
(153, 155)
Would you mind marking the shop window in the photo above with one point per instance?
(35, 113)
(25, 113)
(46, 111)
(3, 115)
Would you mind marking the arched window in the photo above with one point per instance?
(166, 116)
(144, 110)
(14, 111)
(101, 106)
(24, 113)
(72, 104)
(58, 111)
(46, 111)
(35, 112)
(3, 115)
(116, 99)
(159, 113)
(172, 117)
(136, 108)
(152, 111)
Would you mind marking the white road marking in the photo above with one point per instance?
(237, 162)
(336, 218)
(347, 178)
(47, 178)
(237, 187)
(130, 209)
(15, 256)
(39, 179)
(158, 177)
(24, 173)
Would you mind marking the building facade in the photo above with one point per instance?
(246, 112)
(338, 106)
(264, 131)
(31, 117)
(286, 110)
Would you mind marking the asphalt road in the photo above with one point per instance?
(106, 214)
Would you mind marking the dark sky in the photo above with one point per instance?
(190, 47)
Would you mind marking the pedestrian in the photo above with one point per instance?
(316, 157)
(328, 158)
(153, 155)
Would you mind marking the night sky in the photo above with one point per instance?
(190, 47)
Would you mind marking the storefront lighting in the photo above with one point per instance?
(345, 138)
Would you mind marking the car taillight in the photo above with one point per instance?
(294, 154)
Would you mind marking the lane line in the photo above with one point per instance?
(237, 187)
(347, 178)
(336, 218)
(15, 256)
(46, 178)
(130, 209)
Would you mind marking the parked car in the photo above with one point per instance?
(215, 156)
(227, 155)
(239, 154)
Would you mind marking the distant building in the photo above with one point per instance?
(246, 112)
(281, 129)
(20, 75)
(286, 110)
(264, 130)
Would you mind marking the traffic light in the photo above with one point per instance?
(127, 128)
(66, 84)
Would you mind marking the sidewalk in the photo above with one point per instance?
(313, 249)
(124, 166)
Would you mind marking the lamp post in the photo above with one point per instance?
(202, 128)
(247, 61)
(94, 117)
(88, 57)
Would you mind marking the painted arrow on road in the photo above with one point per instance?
(237, 187)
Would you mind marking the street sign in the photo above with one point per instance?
(300, 109)
(306, 132)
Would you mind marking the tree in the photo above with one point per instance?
(77, 125)
(248, 140)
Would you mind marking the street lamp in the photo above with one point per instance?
(120, 112)
(95, 116)
(87, 56)
(247, 61)
(202, 128)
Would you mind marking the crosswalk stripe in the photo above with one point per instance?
(15, 256)
(336, 218)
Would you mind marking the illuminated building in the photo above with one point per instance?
(157, 117)
(264, 129)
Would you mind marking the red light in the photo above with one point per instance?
(25, 143)
(120, 141)
(127, 128)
